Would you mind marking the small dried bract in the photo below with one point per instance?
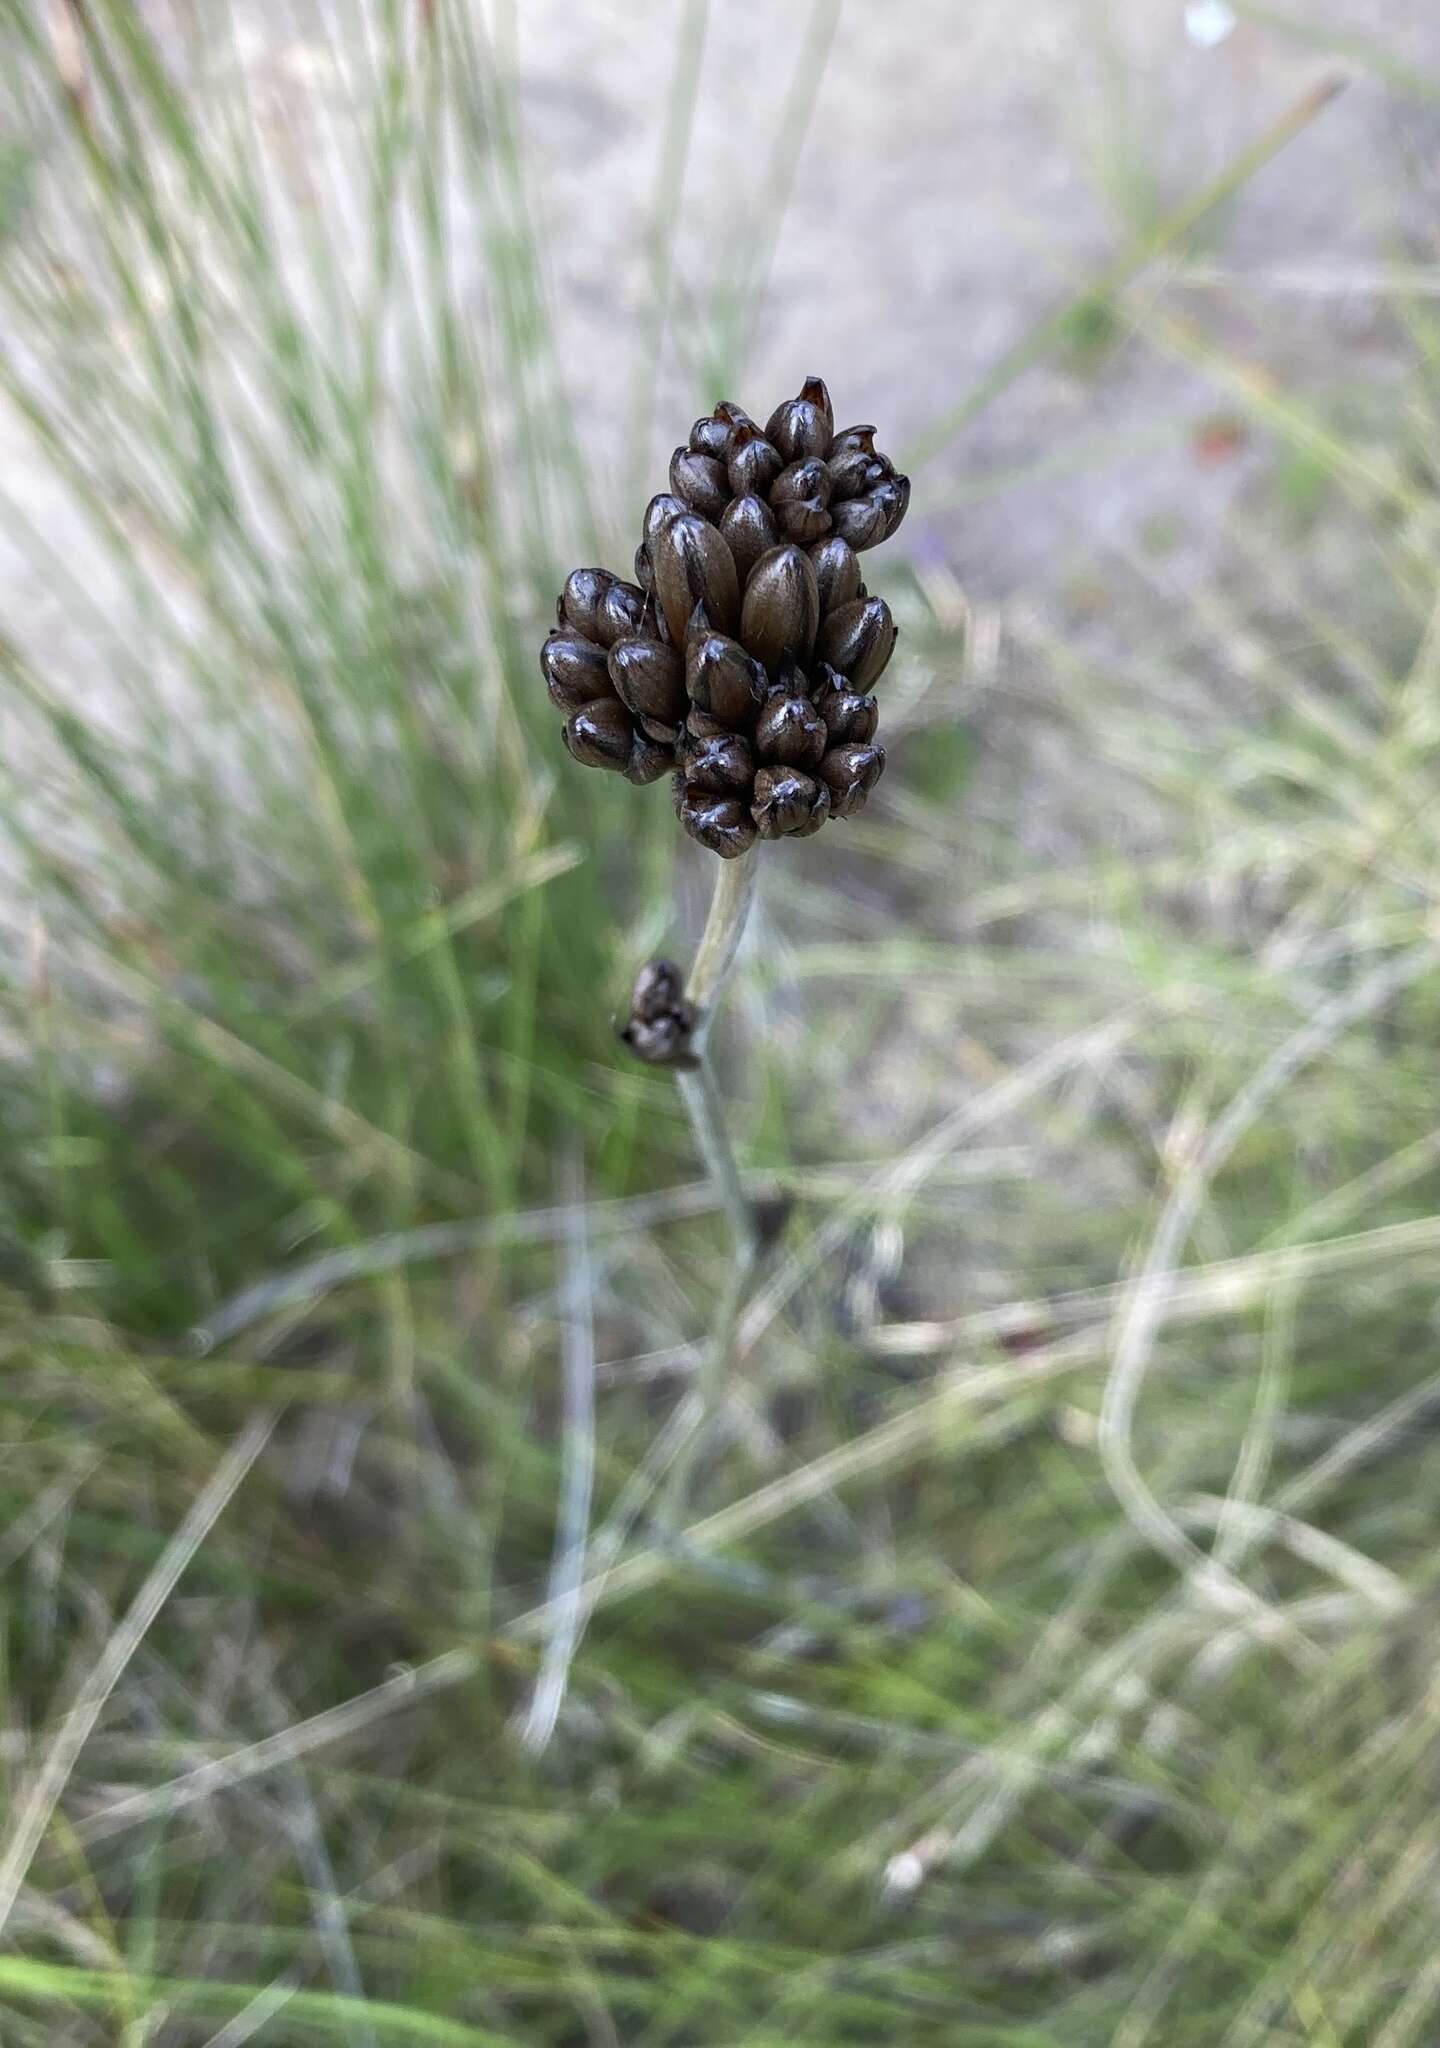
(743, 655)
(661, 1025)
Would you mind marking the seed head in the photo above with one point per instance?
(744, 653)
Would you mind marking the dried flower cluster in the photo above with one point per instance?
(661, 1025)
(743, 655)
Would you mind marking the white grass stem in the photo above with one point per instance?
(577, 1481)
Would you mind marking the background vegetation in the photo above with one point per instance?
(1050, 1658)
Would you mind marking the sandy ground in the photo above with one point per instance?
(966, 164)
(965, 168)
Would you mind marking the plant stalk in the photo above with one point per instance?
(720, 940)
(715, 957)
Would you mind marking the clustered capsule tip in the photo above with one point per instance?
(742, 658)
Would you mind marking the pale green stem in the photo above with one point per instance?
(720, 940)
(719, 945)
(714, 959)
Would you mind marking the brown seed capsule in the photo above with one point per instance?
(662, 1020)
(649, 679)
(722, 679)
(807, 478)
(753, 464)
(601, 735)
(896, 497)
(788, 804)
(724, 764)
(700, 625)
(574, 671)
(703, 726)
(813, 391)
(799, 496)
(694, 566)
(858, 640)
(850, 773)
(790, 732)
(662, 511)
(580, 600)
(782, 606)
(748, 529)
(853, 473)
(837, 573)
(620, 613)
(798, 427)
(700, 481)
(644, 574)
(649, 760)
(732, 415)
(804, 521)
(850, 718)
(861, 521)
(851, 441)
(720, 822)
(711, 436)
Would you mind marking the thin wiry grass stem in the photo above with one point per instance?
(706, 1110)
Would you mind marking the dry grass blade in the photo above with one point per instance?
(1143, 1314)
(39, 1799)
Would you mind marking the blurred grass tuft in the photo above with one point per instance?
(1051, 1660)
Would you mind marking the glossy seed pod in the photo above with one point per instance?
(853, 473)
(852, 441)
(798, 427)
(723, 823)
(895, 495)
(807, 478)
(662, 1019)
(711, 436)
(782, 606)
(579, 601)
(701, 725)
(601, 735)
(858, 639)
(849, 716)
(722, 679)
(748, 529)
(649, 679)
(662, 511)
(693, 566)
(804, 520)
(799, 497)
(575, 671)
(788, 803)
(723, 764)
(700, 627)
(815, 392)
(861, 521)
(753, 463)
(790, 732)
(620, 613)
(701, 481)
(649, 760)
(850, 773)
(837, 573)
